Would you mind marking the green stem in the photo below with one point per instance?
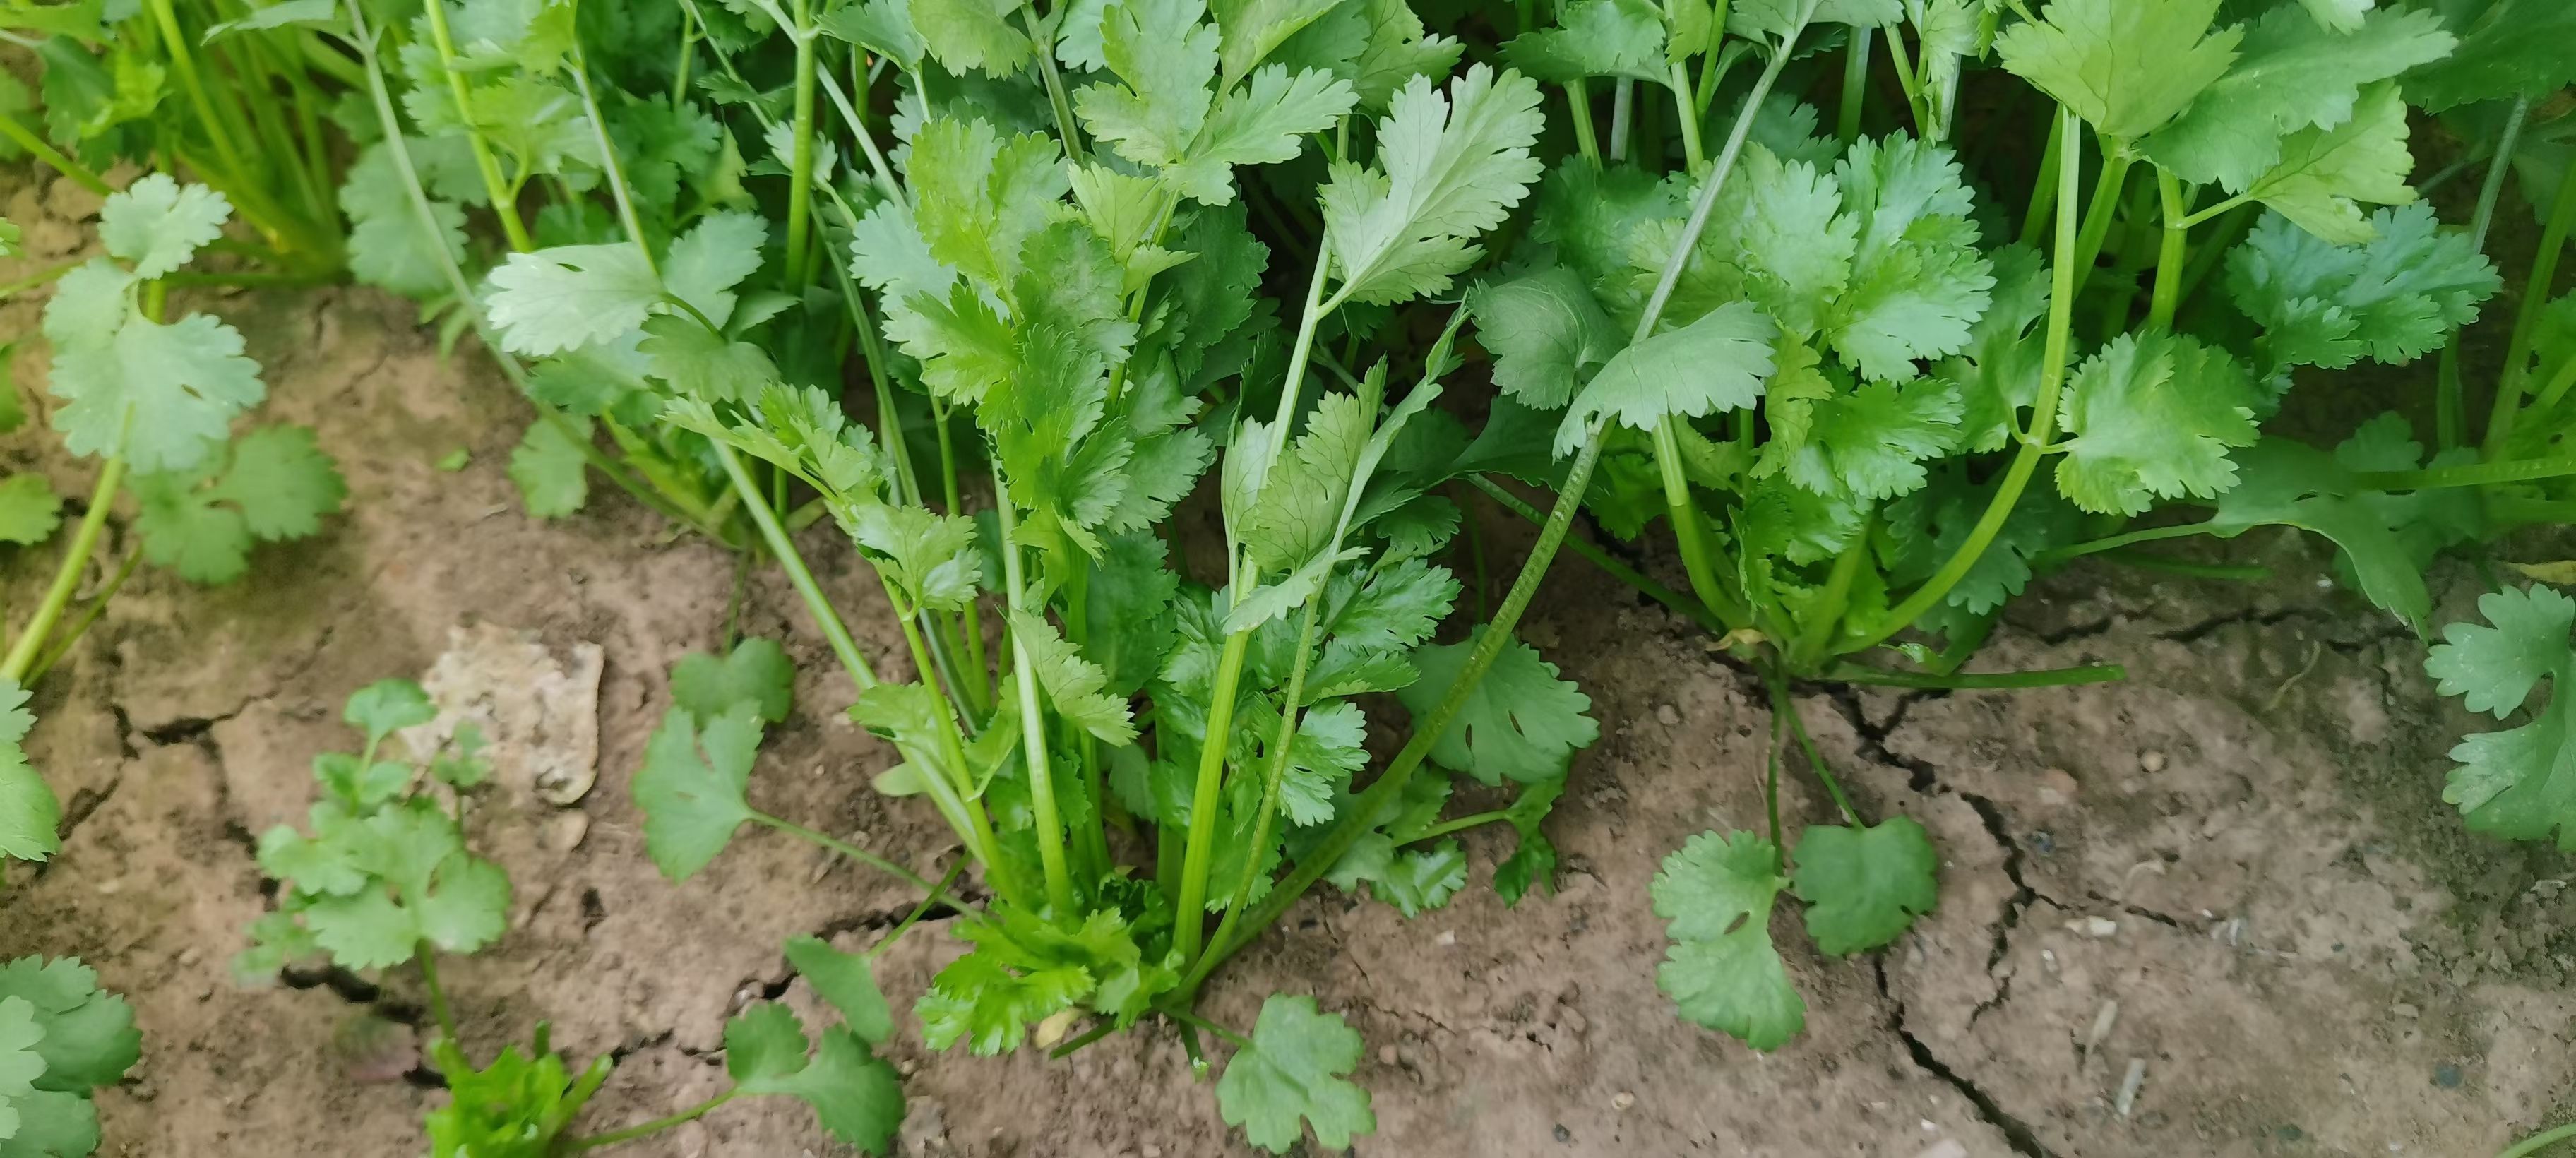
(616, 173)
(2537, 1142)
(2043, 194)
(504, 205)
(1817, 634)
(183, 61)
(1578, 102)
(2098, 215)
(89, 616)
(2510, 511)
(31, 638)
(427, 955)
(957, 799)
(825, 618)
(1689, 535)
(2071, 551)
(646, 1129)
(2051, 678)
(930, 900)
(1683, 604)
(1855, 85)
(2559, 384)
(2474, 475)
(2034, 445)
(1686, 110)
(2170, 255)
(2145, 561)
(1190, 907)
(2450, 405)
(2526, 322)
(1276, 774)
(1784, 708)
(1065, 126)
(800, 174)
(26, 138)
(1461, 824)
(1623, 100)
(1033, 741)
(46, 276)
(855, 853)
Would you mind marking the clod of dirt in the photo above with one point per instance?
(539, 714)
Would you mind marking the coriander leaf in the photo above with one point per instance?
(973, 34)
(1073, 684)
(1797, 246)
(157, 224)
(1520, 723)
(423, 888)
(2288, 483)
(1399, 606)
(2392, 298)
(1864, 886)
(387, 706)
(571, 296)
(857, 1096)
(1918, 280)
(1396, 50)
(1330, 744)
(883, 27)
(1264, 122)
(1873, 442)
(29, 509)
(1452, 168)
(2291, 75)
(549, 468)
(87, 1038)
(1533, 864)
(1545, 332)
(1715, 363)
(1299, 501)
(844, 980)
(20, 1064)
(2516, 783)
(52, 1124)
(699, 362)
(2124, 66)
(1256, 28)
(1716, 892)
(2153, 417)
(2508, 48)
(705, 263)
(1296, 1066)
(756, 672)
(978, 197)
(1167, 58)
(159, 396)
(29, 812)
(1595, 38)
(2325, 174)
(1775, 18)
(931, 558)
(282, 482)
(691, 786)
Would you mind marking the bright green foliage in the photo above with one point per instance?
(515, 1107)
(1716, 895)
(29, 509)
(1715, 363)
(2517, 783)
(1295, 1067)
(385, 707)
(1546, 333)
(1450, 168)
(28, 811)
(2290, 74)
(2124, 66)
(2153, 416)
(61, 1037)
(1166, 114)
(1864, 886)
(692, 782)
(757, 671)
(2325, 175)
(856, 1095)
(1025, 969)
(160, 396)
(269, 485)
(844, 981)
(548, 467)
(2508, 48)
(1533, 864)
(2393, 298)
(1522, 723)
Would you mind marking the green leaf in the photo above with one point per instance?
(1872, 443)
(844, 981)
(1918, 283)
(1716, 894)
(1451, 168)
(1073, 684)
(1399, 606)
(571, 296)
(756, 672)
(1545, 331)
(88, 1037)
(2508, 48)
(282, 14)
(549, 468)
(691, 786)
(1717, 362)
(1331, 743)
(932, 558)
(423, 888)
(385, 707)
(1865, 886)
(2153, 417)
(2325, 175)
(1622, 38)
(2516, 783)
(857, 1096)
(1533, 864)
(883, 27)
(2125, 66)
(2291, 484)
(159, 396)
(2393, 298)
(157, 224)
(29, 509)
(1167, 58)
(1264, 122)
(1296, 1066)
(2291, 75)
(1520, 723)
(706, 263)
(282, 482)
(29, 813)
(973, 34)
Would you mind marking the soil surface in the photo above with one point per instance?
(2231, 875)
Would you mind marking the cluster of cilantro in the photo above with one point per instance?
(156, 403)
(385, 877)
(61, 1037)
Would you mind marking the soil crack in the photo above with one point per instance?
(2016, 1132)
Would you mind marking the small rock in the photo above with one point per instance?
(565, 831)
(2097, 928)
(1386, 1055)
(1667, 715)
(2405, 1010)
(1622, 1100)
(190, 955)
(1564, 1135)
(2151, 762)
(1446, 938)
(2057, 786)
(1153, 1151)
(2446, 1076)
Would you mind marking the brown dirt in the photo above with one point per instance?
(2305, 952)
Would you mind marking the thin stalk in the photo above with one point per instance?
(1771, 789)
(1968, 681)
(1855, 85)
(1783, 708)
(2473, 475)
(89, 616)
(427, 955)
(1623, 114)
(2043, 194)
(1689, 536)
(1578, 102)
(1066, 128)
(615, 172)
(647, 1129)
(1608, 563)
(784, 549)
(318, 56)
(2557, 387)
(1817, 633)
(2169, 255)
(2526, 322)
(504, 202)
(929, 901)
(1190, 906)
(1917, 101)
(2538, 1142)
(2497, 167)
(2034, 446)
(45, 276)
(965, 810)
(1459, 825)
(688, 56)
(800, 167)
(1276, 774)
(2074, 551)
(2450, 405)
(26, 138)
(1686, 110)
(1033, 740)
(183, 61)
(58, 596)
(853, 852)
(2097, 216)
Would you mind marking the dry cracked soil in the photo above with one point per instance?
(2230, 875)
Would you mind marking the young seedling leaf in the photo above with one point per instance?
(2126, 68)
(857, 1096)
(691, 786)
(157, 224)
(1521, 723)
(1722, 969)
(1295, 1067)
(844, 980)
(1864, 886)
(756, 672)
(2516, 783)
(29, 509)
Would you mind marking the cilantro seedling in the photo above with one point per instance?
(61, 1037)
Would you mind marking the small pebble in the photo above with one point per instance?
(1622, 1100)
(1564, 1135)
(1153, 1151)
(2446, 1076)
(2151, 762)
(1386, 1055)
(2057, 786)
(1446, 938)
(1667, 715)
(2405, 1010)
(2094, 927)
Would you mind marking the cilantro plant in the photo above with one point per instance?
(155, 404)
(384, 878)
(61, 1037)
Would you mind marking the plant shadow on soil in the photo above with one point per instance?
(2236, 864)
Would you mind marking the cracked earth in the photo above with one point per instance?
(2231, 876)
